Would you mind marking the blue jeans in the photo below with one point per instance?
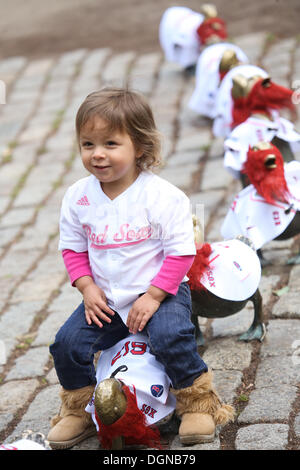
(171, 340)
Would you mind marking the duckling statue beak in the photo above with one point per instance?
(209, 10)
(198, 230)
(270, 161)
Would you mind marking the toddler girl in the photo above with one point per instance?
(127, 241)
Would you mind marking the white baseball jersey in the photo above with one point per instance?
(207, 78)
(178, 35)
(252, 216)
(252, 131)
(127, 238)
(145, 377)
(224, 101)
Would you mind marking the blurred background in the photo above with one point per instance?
(35, 28)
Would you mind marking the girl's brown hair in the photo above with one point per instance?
(127, 111)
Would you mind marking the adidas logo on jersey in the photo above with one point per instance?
(83, 201)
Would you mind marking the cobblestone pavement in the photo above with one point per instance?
(40, 160)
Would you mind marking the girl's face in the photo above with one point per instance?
(109, 156)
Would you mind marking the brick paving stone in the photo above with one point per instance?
(25, 154)
(38, 289)
(10, 129)
(275, 371)
(288, 305)
(143, 72)
(15, 322)
(5, 419)
(277, 257)
(262, 437)
(31, 364)
(116, 69)
(176, 176)
(297, 425)
(269, 404)
(18, 216)
(281, 335)
(215, 176)
(2, 353)
(51, 325)
(10, 67)
(184, 158)
(37, 418)
(52, 378)
(251, 44)
(228, 354)
(9, 177)
(216, 150)
(35, 132)
(20, 261)
(198, 141)
(14, 394)
(226, 383)
(267, 285)
(13, 397)
(234, 324)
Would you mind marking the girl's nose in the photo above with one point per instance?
(99, 152)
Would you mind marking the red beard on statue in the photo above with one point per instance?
(212, 27)
(201, 262)
(264, 96)
(269, 182)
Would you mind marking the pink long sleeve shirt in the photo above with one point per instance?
(173, 269)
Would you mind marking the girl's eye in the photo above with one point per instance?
(87, 144)
(111, 143)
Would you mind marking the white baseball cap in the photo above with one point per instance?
(234, 270)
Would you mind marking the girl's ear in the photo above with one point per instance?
(139, 153)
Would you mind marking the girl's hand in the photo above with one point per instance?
(94, 301)
(144, 308)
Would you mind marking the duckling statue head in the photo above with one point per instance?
(271, 202)
(228, 60)
(213, 29)
(257, 95)
(264, 168)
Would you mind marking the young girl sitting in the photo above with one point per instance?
(127, 241)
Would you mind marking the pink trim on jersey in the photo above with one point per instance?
(119, 245)
(77, 264)
(172, 272)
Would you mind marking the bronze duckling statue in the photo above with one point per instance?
(268, 208)
(257, 102)
(184, 32)
(223, 278)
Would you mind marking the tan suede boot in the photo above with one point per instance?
(73, 424)
(200, 409)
